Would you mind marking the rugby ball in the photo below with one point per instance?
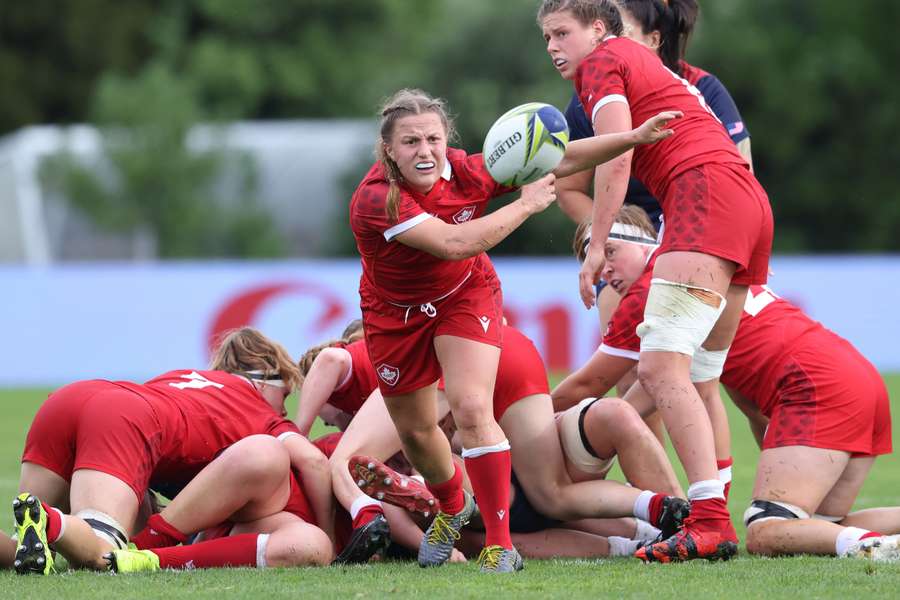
(525, 144)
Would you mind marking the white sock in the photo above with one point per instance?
(262, 542)
(642, 505)
(360, 503)
(482, 450)
(644, 531)
(725, 475)
(706, 490)
(620, 546)
(846, 538)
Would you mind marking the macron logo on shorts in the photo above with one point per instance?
(388, 374)
(485, 322)
(501, 514)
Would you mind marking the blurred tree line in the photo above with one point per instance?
(815, 82)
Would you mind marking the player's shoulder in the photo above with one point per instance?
(371, 193)
(468, 172)
(692, 73)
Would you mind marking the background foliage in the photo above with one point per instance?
(815, 82)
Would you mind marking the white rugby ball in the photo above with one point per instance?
(525, 144)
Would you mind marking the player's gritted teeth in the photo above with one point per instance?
(425, 166)
(616, 284)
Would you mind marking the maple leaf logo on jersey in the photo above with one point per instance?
(388, 374)
(464, 215)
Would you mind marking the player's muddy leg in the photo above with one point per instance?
(7, 550)
(791, 483)
(614, 428)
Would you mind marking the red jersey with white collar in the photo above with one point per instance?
(621, 70)
(402, 274)
(201, 413)
(360, 381)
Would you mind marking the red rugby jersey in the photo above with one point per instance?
(400, 273)
(360, 381)
(200, 414)
(621, 70)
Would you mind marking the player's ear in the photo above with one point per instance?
(600, 31)
(655, 40)
(388, 151)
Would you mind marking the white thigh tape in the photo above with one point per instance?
(105, 527)
(573, 443)
(675, 320)
(707, 365)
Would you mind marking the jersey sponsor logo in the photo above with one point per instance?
(196, 381)
(464, 215)
(485, 322)
(388, 374)
(501, 514)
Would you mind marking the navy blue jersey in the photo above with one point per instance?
(716, 96)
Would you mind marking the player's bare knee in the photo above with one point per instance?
(613, 418)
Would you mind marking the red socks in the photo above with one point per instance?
(724, 466)
(232, 551)
(489, 469)
(708, 509)
(54, 522)
(366, 514)
(158, 534)
(655, 509)
(450, 493)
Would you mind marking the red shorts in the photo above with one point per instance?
(836, 401)
(520, 374)
(400, 340)
(96, 425)
(721, 210)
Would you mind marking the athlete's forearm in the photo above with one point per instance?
(480, 235)
(320, 383)
(610, 186)
(316, 472)
(595, 150)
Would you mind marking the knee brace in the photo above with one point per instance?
(766, 510)
(707, 365)
(575, 443)
(105, 527)
(678, 317)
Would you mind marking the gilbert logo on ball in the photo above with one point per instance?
(525, 144)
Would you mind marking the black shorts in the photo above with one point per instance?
(523, 517)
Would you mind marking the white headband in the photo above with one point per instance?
(631, 233)
(261, 377)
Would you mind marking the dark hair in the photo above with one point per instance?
(585, 12)
(673, 19)
(402, 104)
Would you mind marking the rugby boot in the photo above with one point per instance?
(132, 560)
(437, 545)
(365, 542)
(879, 549)
(33, 554)
(674, 511)
(689, 544)
(379, 481)
(497, 559)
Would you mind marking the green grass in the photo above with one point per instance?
(744, 577)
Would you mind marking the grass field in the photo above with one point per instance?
(743, 577)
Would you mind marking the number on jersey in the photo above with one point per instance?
(694, 92)
(755, 303)
(196, 381)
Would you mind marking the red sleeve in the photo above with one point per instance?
(621, 339)
(600, 79)
(362, 368)
(279, 426)
(369, 214)
(477, 172)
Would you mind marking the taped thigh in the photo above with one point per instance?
(575, 443)
(707, 365)
(678, 317)
(767, 510)
(105, 527)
